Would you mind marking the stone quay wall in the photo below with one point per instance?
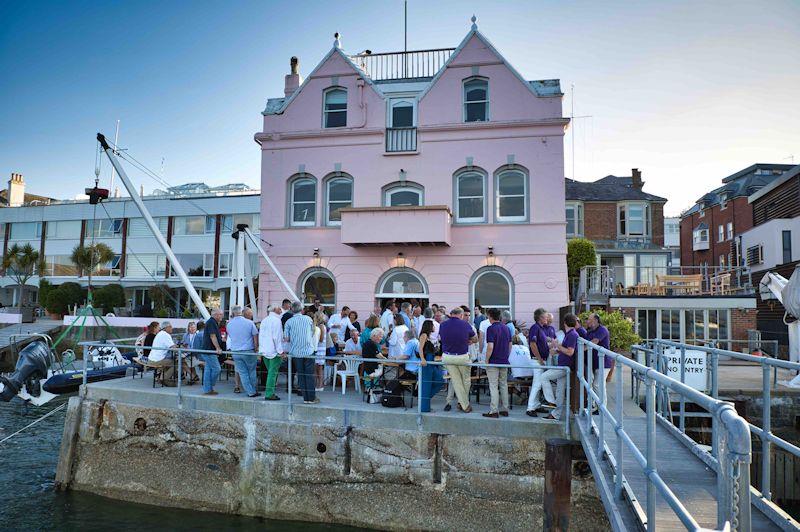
(368, 477)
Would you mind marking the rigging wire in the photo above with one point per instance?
(50, 413)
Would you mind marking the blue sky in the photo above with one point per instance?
(688, 92)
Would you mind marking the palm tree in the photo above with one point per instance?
(88, 258)
(21, 263)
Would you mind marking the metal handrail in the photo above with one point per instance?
(733, 473)
(765, 431)
(402, 65)
(191, 351)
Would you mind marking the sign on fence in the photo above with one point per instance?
(695, 372)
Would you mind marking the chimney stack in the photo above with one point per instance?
(293, 79)
(15, 195)
(636, 179)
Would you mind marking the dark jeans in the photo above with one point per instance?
(430, 384)
(304, 366)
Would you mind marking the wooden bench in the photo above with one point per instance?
(679, 284)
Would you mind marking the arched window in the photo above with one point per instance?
(402, 283)
(403, 195)
(511, 189)
(317, 285)
(303, 202)
(476, 100)
(470, 201)
(492, 287)
(335, 108)
(339, 194)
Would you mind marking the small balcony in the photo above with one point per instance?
(699, 244)
(414, 64)
(396, 226)
(401, 139)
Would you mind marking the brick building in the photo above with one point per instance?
(708, 229)
(625, 223)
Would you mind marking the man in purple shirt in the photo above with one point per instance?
(540, 356)
(598, 334)
(498, 347)
(566, 352)
(455, 335)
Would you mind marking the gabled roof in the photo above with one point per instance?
(742, 183)
(277, 106)
(538, 88)
(616, 180)
(701, 226)
(606, 191)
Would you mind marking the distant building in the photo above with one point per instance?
(15, 195)
(196, 220)
(433, 176)
(773, 244)
(709, 228)
(672, 240)
(625, 223)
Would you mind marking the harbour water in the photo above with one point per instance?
(29, 501)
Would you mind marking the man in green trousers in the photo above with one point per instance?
(270, 346)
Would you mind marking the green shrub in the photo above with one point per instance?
(619, 327)
(161, 313)
(45, 287)
(108, 297)
(580, 252)
(187, 314)
(61, 298)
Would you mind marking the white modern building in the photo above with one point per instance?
(672, 239)
(195, 219)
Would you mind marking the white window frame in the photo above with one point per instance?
(505, 276)
(395, 102)
(113, 229)
(458, 197)
(465, 102)
(698, 236)
(292, 185)
(51, 233)
(178, 220)
(419, 191)
(525, 198)
(382, 293)
(326, 111)
(312, 273)
(720, 233)
(328, 183)
(577, 210)
(729, 228)
(625, 208)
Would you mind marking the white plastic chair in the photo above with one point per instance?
(350, 370)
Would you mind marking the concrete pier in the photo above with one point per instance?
(341, 461)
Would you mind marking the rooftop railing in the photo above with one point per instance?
(402, 65)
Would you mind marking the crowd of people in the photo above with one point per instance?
(403, 339)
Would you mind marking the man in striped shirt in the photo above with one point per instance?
(299, 332)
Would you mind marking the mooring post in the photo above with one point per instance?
(557, 484)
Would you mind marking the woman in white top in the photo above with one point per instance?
(397, 338)
(321, 339)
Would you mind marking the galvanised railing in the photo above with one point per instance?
(732, 466)
(402, 65)
(762, 499)
(188, 352)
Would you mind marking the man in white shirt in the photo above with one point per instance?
(353, 346)
(161, 343)
(417, 318)
(243, 337)
(483, 327)
(270, 345)
(387, 318)
(340, 323)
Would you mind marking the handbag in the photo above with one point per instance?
(374, 395)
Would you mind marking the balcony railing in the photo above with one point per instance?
(699, 244)
(402, 65)
(399, 139)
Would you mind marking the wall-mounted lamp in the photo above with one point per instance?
(401, 260)
(490, 258)
(317, 259)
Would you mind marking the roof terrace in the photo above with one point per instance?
(413, 64)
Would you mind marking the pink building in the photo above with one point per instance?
(435, 175)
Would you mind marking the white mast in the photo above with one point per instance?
(173, 260)
(116, 143)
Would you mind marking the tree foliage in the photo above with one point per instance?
(108, 297)
(21, 263)
(64, 296)
(620, 329)
(580, 252)
(89, 258)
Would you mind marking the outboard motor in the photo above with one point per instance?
(32, 365)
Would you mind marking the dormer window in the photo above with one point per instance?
(335, 108)
(476, 100)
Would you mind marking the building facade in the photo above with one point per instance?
(709, 228)
(434, 176)
(625, 223)
(197, 225)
